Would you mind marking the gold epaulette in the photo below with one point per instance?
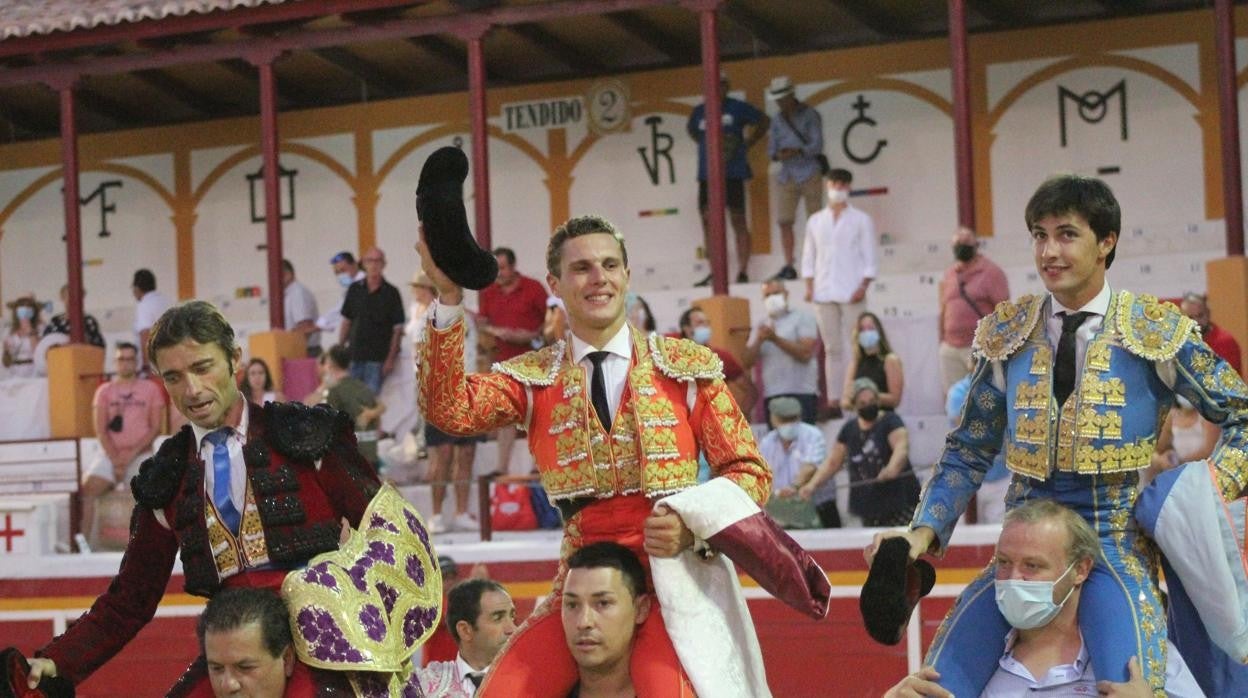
(684, 360)
(538, 367)
(1150, 328)
(1000, 334)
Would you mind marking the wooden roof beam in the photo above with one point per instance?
(111, 109)
(180, 91)
(380, 81)
(1002, 13)
(292, 97)
(571, 56)
(646, 32)
(760, 28)
(25, 120)
(869, 14)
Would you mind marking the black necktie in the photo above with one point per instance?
(598, 389)
(1064, 366)
(476, 677)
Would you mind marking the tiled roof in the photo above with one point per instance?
(30, 17)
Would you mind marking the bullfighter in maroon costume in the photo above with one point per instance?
(243, 493)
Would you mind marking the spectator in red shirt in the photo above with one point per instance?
(695, 326)
(1196, 306)
(970, 289)
(512, 312)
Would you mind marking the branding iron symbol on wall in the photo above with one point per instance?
(1093, 106)
(286, 202)
(106, 206)
(660, 147)
(861, 105)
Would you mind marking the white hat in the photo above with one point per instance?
(780, 86)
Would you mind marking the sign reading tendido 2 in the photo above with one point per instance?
(543, 114)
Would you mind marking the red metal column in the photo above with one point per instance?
(73, 217)
(272, 192)
(714, 101)
(480, 135)
(1228, 100)
(963, 154)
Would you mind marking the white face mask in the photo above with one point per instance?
(836, 197)
(702, 335)
(787, 431)
(345, 279)
(1027, 605)
(775, 304)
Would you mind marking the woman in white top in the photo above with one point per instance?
(24, 330)
(1184, 437)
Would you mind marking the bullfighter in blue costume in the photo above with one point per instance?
(1074, 385)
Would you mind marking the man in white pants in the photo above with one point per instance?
(839, 262)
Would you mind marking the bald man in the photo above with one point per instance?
(372, 322)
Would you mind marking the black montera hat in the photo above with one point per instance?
(440, 207)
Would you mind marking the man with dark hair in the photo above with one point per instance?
(616, 420)
(604, 604)
(342, 391)
(1073, 384)
(242, 493)
(695, 327)
(743, 127)
(512, 312)
(840, 256)
(128, 412)
(245, 639)
(150, 304)
(372, 323)
(60, 322)
(481, 617)
(244, 636)
(299, 309)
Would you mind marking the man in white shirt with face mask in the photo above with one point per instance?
(1044, 556)
(840, 259)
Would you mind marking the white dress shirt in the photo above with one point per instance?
(1077, 678)
(238, 467)
(614, 366)
(1098, 306)
(463, 668)
(839, 252)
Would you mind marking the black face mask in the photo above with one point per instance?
(964, 253)
(869, 412)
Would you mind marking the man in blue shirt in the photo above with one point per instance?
(795, 140)
(737, 116)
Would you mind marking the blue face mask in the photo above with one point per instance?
(869, 339)
(345, 279)
(25, 312)
(702, 335)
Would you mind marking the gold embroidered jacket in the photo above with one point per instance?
(1145, 352)
(675, 403)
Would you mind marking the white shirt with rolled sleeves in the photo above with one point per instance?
(839, 252)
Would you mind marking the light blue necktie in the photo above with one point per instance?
(221, 479)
